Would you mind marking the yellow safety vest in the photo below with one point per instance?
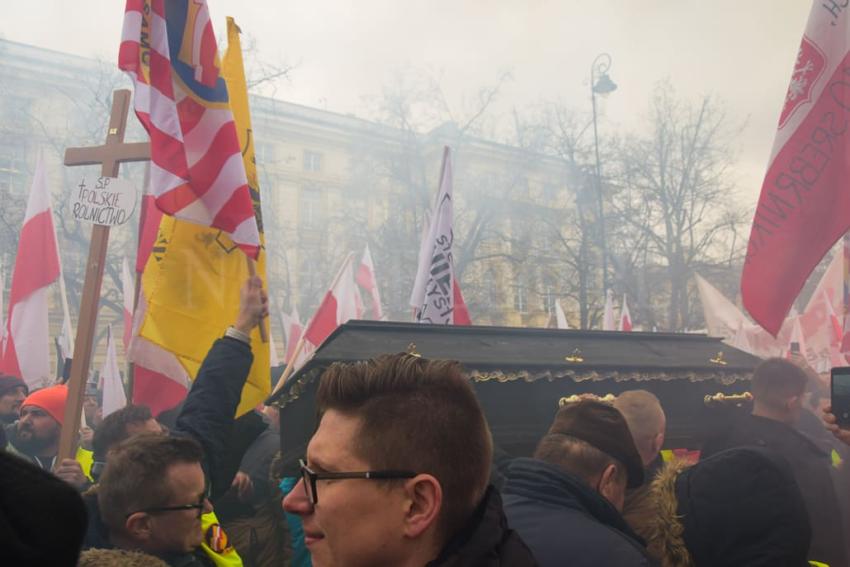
(216, 544)
(85, 458)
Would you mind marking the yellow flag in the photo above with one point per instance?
(194, 274)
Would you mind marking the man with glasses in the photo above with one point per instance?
(151, 497)
(397, 471)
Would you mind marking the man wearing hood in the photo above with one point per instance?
(13, 391)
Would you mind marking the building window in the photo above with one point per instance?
(548, 299)
(311, 208)
(312, 161)
(264, 154)
(12, 169)
(520, 296)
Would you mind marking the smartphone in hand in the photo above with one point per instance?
(840, 393)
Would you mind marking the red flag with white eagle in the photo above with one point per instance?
(27, 352)
(367, 280)
(168, 49)
(625, 323)
(804, 207)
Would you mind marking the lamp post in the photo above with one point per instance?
(600, 84)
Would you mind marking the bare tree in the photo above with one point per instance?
(674, 198)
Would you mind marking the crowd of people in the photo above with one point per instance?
(402, 471)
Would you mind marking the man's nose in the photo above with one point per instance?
(297, 502)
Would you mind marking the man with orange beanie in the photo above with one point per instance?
(35, 437)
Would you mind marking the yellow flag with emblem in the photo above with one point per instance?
(194, 275)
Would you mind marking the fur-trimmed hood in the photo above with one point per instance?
(652, 513)
(739, 507)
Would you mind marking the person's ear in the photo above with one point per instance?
(139, 525)
(425, 501)
(611, 486)
(658, 442)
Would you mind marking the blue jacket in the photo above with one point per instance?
(565, 522)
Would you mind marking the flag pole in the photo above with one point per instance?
(252, 271)
(290, 365)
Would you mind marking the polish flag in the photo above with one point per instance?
(625, 323)
(27, 352)
(292, 328)
(114, 396)
(560, 316)
(460, 315)
(367, 280)
(129, 290)
(803, 207)
(338, 306)
(608, 315)
(159, 380)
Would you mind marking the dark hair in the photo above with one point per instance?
(777, 380)
(420, 415)
(577, 457)
(113, 429)
(136, 475)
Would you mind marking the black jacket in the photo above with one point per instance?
(486, 541)
(811, 467)
(211, 403)
(565, 522)
(207, 416)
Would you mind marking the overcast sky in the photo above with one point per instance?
(344, 50)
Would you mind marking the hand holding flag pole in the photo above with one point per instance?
(252, 272)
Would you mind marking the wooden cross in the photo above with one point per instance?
(110, 155)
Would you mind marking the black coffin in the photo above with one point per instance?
(520, 374)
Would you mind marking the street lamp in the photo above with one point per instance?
(600, 84)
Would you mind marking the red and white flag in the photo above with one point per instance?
(436, 296)
(114, 396)
(27, 353)
(129, 291)
(625, 323)
(168, 48)
(608, 315)
(274, 360)
(338, 306)
(292, 328)
(367, 280)
(805, 200)
(159, 380)
(560, 316)
(149, 218)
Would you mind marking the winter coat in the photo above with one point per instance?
(811, 467)
(486, 541)
(211, 403)
(565, 522)
(740, 507)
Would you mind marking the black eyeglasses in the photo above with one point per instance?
(310, 477)
(159, 509)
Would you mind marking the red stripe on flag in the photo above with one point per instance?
(155, 390)
(37, 261)
(9, 362)
(234, 212)
(460, 314)
(205, 171)
(324, 321)
(190, 113)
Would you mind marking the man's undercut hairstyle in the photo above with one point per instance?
(113, 429)
(644, 415)
(418, 415)
(776, 380)
(577, 457)
(136, 475)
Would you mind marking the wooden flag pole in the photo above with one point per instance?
(110, 156)
(290, 366)
(252, 271)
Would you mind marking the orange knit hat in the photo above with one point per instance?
(52, 400)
